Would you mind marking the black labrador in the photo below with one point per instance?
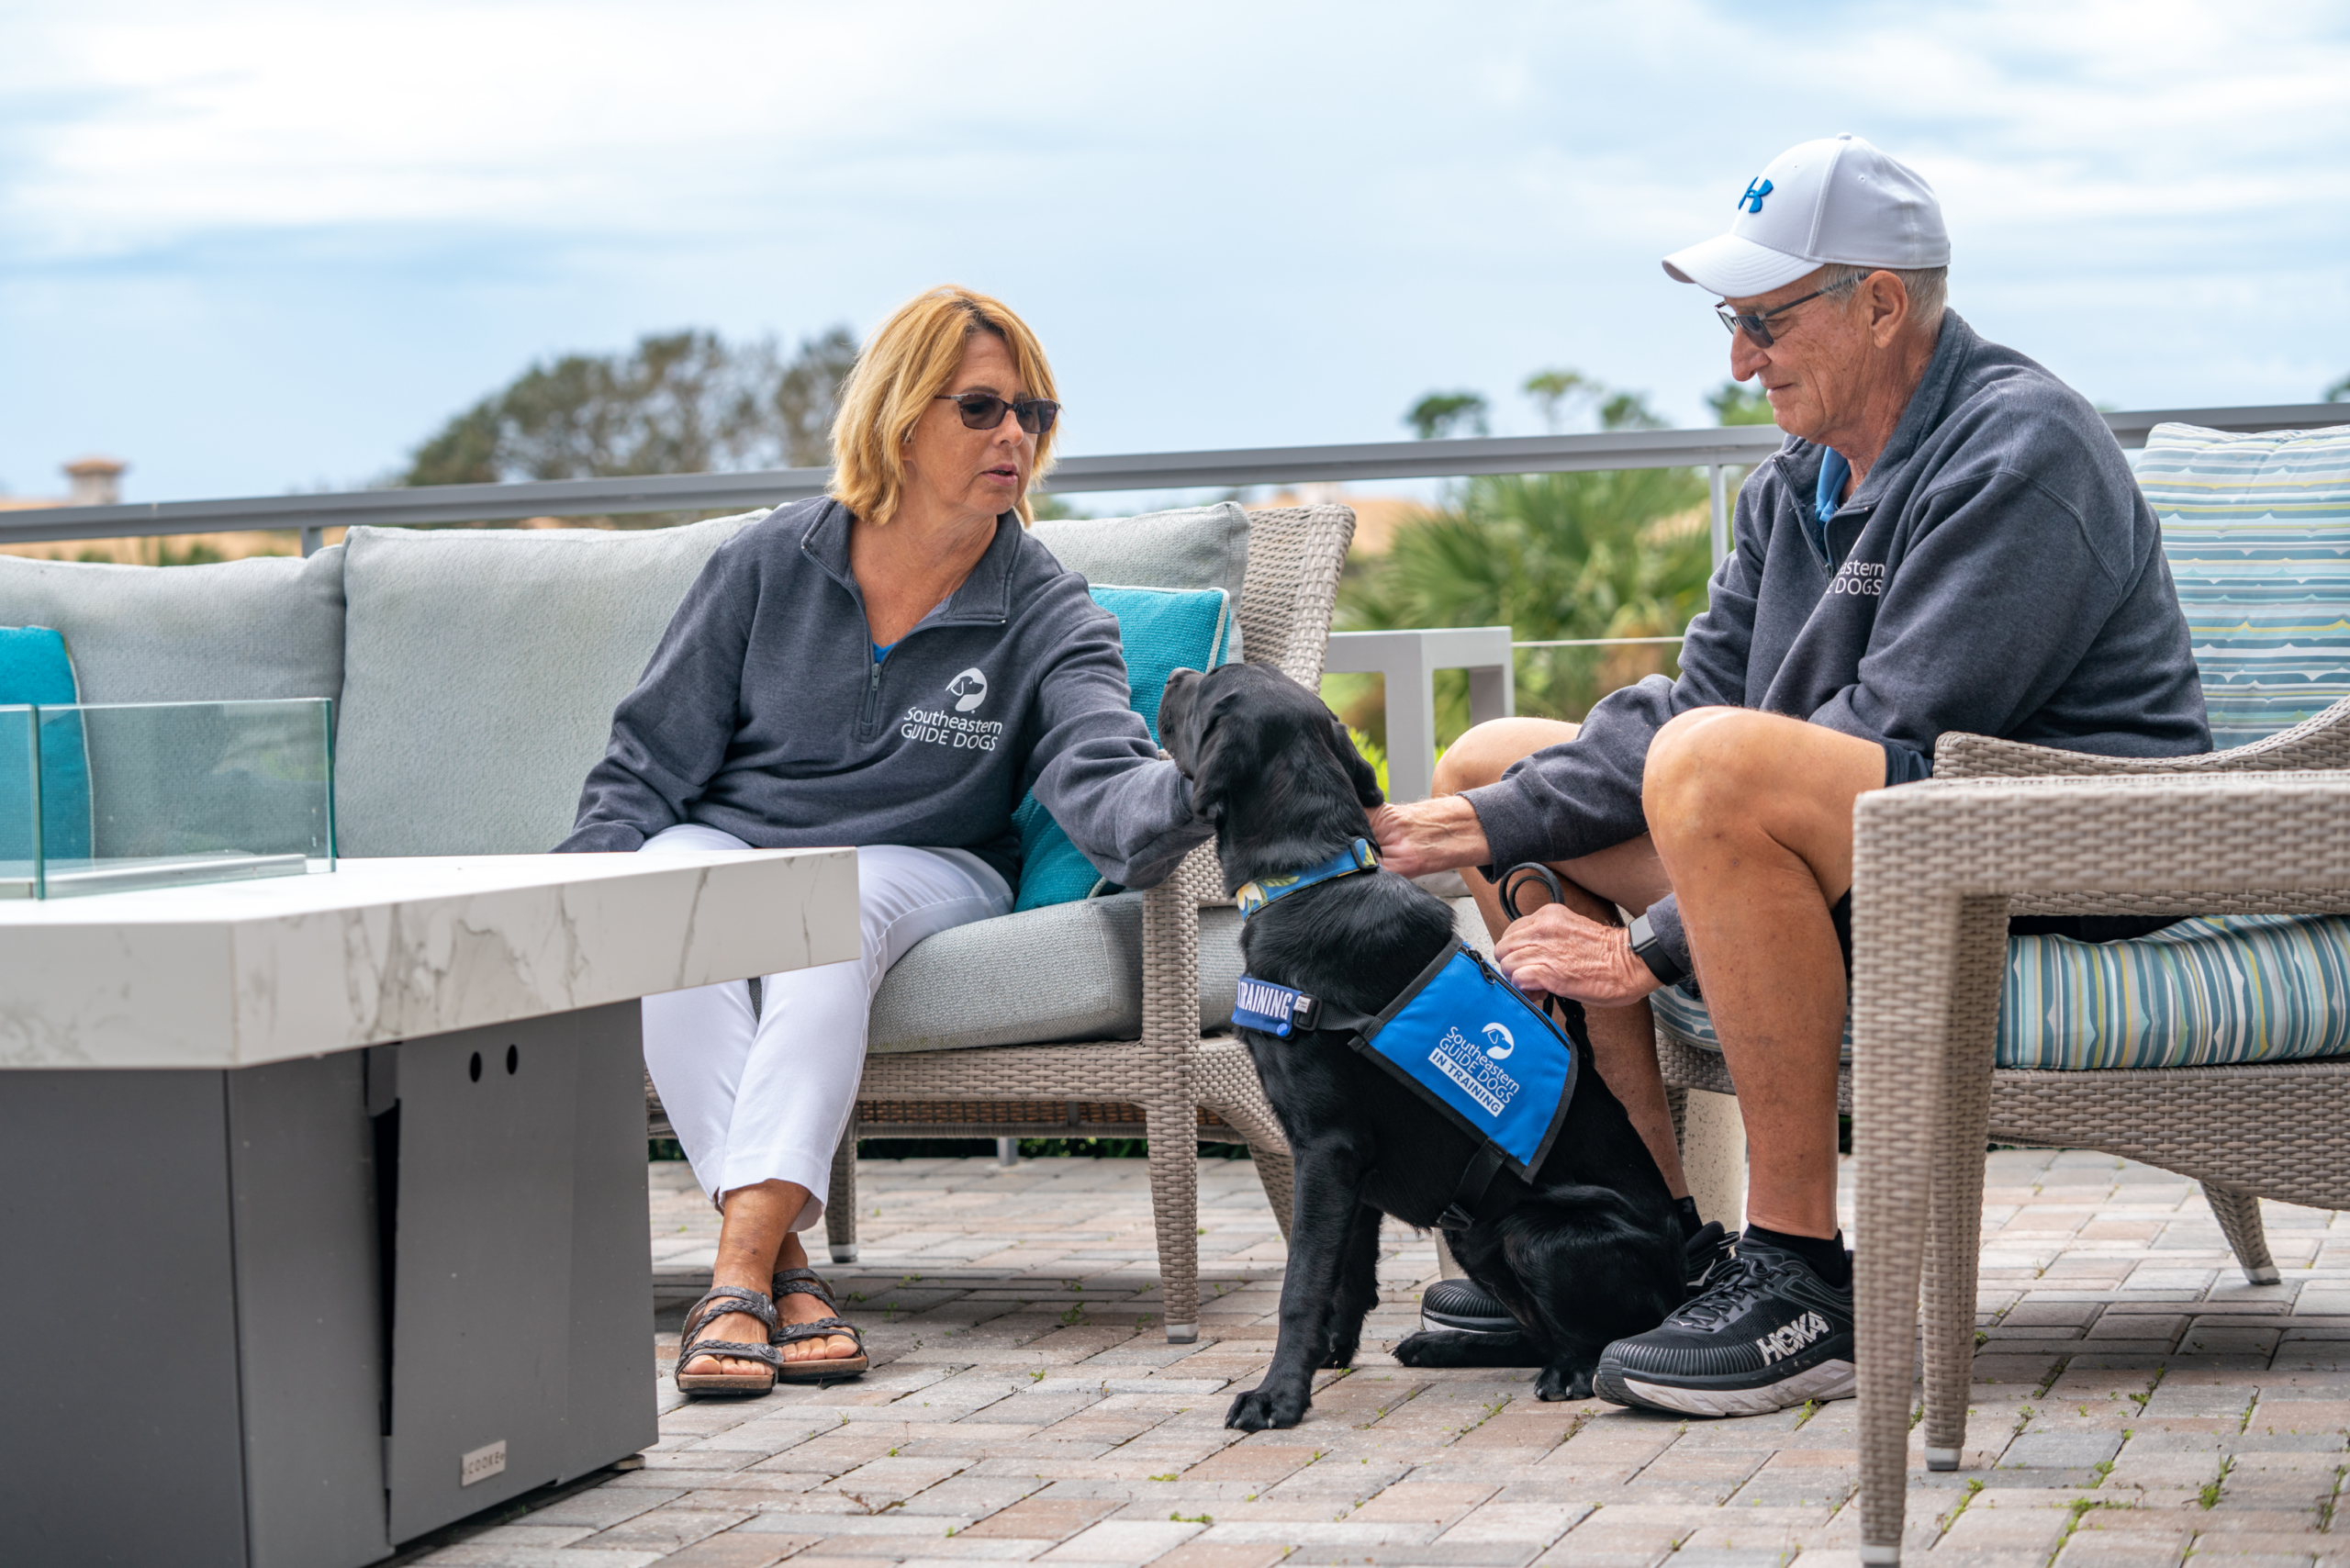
(1588, 1253)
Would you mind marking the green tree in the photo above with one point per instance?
(1552, 388)
(684, 402)
(1617, 553)
(1444, 414)
(1734, 403)
(1628, 411)
(2339, 392)
(807, 392)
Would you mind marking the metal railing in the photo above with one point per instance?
(1716, 450)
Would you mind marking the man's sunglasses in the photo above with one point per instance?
(984, 410)
(1758, 326)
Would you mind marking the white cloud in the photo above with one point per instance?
(1365, 199)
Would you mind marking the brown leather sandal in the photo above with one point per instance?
(717, 1303)
(805, 1281)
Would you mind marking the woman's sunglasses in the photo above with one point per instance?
(984, 410)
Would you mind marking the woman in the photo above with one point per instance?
(891, 666)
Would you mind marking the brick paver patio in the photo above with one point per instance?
(2136, 1402)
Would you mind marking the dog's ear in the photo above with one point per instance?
(1218, 760)
(1359, 773)
(1176, 713)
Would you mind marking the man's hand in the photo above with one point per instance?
(1442, 834)
(1556, 950)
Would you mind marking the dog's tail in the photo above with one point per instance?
(1442, 1347)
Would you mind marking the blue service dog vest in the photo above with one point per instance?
(1464, 1040)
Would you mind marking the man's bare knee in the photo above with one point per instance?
(1705, 759)
(1483, 755)
(1717, 772)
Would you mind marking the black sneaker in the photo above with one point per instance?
(1464, 1306)
(1766, 1333)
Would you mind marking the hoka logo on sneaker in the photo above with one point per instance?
(1787, 1340)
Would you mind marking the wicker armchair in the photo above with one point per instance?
(1938, 867)
(2109, 1110)
(1175, 1085)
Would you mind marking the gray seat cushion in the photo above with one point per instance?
(1066, 972)
(270, 626)
(481, 669)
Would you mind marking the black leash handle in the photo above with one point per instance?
(1514, 878)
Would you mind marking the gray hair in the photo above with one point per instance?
(1928, 289)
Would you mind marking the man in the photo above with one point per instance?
(1949, 540)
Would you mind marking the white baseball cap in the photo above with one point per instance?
(1838, 199)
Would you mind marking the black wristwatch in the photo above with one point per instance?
(1650, 947)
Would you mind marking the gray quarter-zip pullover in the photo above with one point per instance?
(765, 714)
(1999, 573)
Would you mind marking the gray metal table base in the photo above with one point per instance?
(289, 1316)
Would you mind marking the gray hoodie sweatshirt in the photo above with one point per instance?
(1999, 573)
(764, 713)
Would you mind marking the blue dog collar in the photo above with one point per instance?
(1357, 856)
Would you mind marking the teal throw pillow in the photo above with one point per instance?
(1163, 630)
(36, 671)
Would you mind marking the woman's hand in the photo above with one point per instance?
(1442, 834)
(1556, 950)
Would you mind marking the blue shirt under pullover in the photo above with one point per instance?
(767, 712)
(1997, 573)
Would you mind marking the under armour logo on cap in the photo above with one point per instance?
(1756, 189)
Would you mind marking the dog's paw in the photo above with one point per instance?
(1426, 1348)
(1264, 1407)
(1558, 1383)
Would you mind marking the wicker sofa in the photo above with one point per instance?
(475, 673)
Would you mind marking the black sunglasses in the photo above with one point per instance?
(1758, 327)
(984, 410)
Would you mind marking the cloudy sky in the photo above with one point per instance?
(253, 247)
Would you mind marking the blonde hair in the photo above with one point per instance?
(907, 362)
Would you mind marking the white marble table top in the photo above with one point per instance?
(234, 974)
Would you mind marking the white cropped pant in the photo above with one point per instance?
(765, 1097)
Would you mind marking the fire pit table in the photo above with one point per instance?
(322, 1197)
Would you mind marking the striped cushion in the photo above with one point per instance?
(2257, 532)
(2203, 992)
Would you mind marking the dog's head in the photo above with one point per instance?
(1269, 764)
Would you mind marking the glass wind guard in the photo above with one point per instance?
(106, 797)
